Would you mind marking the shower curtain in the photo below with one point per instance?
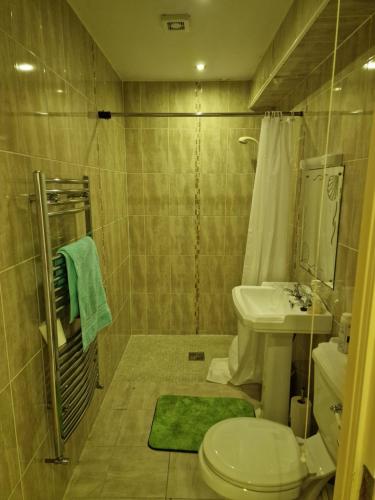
(268, 249)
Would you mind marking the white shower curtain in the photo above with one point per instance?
(268, 251)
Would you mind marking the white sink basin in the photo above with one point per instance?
(268, 309)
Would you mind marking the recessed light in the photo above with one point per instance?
(24, 67)
(60, 91)
(337, 89)
(370, 64)
(200, 66)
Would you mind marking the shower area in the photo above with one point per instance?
(190, 186)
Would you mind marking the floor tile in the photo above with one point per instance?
(136, 472)
(135, 428)
(184, 480)
(117, 396)
(106, 429)
(116, 462)
(90, 473)
(144, 396)
(84, 485)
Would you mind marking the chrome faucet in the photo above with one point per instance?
(301, 296)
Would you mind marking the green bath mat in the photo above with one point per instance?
(180, 422)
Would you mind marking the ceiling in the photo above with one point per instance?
(230, 36)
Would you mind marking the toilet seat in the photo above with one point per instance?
(254, 454)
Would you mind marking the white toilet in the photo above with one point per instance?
(250, 458)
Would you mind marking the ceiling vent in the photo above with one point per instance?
(176, 22)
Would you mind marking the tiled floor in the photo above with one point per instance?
(116, 461)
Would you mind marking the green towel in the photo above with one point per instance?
(87, 294)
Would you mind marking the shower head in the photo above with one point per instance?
(246, 139)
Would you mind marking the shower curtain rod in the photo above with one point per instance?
(107, 115)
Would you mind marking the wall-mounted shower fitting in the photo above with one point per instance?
(247, 139)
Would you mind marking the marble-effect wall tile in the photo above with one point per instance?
(10, 473)
(68, 75)
(189, 190)
(338, 117)
(20, 314)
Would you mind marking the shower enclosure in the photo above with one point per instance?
(190, 185)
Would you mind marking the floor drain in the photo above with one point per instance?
(196, 356)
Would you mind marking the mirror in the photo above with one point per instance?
(318, 248)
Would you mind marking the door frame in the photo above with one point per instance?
(357, 446)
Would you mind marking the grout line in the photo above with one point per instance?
(35, 454)
(142, 121)
(12, 379)
(55, 160)
(19, 483)
(347, 247)
(127, 217)
(29, 259)
(168, 470)
(170, 173)
(197, 207)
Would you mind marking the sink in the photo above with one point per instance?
(268, 311)
(268, 308)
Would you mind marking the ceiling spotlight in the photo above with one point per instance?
(370, 64)
(200, 66)
(24, 67)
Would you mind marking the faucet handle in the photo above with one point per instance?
(298, 290)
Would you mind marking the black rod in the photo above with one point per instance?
(106, 115)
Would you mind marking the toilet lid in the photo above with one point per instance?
(254, 453)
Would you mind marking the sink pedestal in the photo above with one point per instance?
(276, 376)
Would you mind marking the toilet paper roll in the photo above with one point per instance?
(298, 408)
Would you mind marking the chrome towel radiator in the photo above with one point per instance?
(73, 374)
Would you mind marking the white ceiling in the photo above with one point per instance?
(230, 36)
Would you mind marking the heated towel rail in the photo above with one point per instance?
(73, 374)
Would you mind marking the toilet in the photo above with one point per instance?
(254, 458)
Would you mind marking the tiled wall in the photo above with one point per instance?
(341, 125)
(171, 162)
(268, 78)
(69, 75)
